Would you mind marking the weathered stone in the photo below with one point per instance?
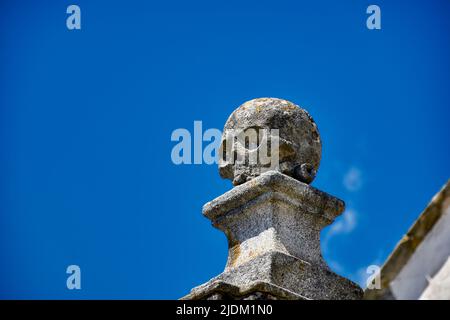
(273, 220)
(273, 212)
(416, 268)
(273, 225)
(299, 140)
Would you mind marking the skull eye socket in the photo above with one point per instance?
(251, 138)
(287, 151)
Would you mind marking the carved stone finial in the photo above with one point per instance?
(272, 218)
(299, 148)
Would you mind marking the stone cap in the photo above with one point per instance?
(273, 182)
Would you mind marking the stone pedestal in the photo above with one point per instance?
(273, 225)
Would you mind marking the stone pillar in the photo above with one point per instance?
(272, 218)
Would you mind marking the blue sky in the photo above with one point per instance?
(86, 118)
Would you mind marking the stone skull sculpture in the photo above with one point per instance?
(297, 151)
